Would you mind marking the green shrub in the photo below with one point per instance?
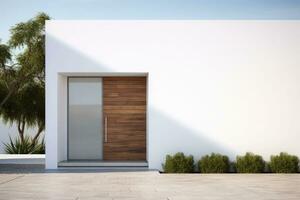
(250, 163)
(179, 163)
(25, 147)
(214, 163)
(232, 167)
(40, 147)
(284, 163)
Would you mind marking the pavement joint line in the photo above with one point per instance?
(2, 183)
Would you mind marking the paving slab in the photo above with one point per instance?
(149, 185)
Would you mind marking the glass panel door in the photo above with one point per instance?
(85, 131)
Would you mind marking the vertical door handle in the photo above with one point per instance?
(105, 129)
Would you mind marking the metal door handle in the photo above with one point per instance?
(105, 129)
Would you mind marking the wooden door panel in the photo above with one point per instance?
(124, 101)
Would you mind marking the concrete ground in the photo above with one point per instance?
(139, 185)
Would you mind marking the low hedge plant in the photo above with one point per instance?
(214, 163)
(284, 163)
(250, 163)
(178, 163)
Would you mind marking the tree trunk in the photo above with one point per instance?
(37, 135)
(21, 127)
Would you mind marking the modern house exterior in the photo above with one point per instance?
(130, 92)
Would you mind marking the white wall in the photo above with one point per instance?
(214, 86)
(11, 130)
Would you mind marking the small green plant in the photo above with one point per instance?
(250, 163)
(40, 147)
(214, 163)
(27, 146)
(284, 163)
(179, 163)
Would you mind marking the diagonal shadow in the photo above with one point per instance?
(165, 134)
(168, 136)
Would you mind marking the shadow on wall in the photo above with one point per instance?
(70, 58)
(165, 134)
(168, 136)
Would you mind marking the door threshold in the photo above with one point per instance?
(101, 163)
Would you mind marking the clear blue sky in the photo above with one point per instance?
(14, 11)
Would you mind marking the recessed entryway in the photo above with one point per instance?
(107, 119)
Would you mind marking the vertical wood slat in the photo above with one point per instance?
(124, 104)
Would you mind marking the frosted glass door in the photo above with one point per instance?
(85, 131)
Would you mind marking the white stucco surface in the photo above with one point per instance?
(213, 86)
(11, 130)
